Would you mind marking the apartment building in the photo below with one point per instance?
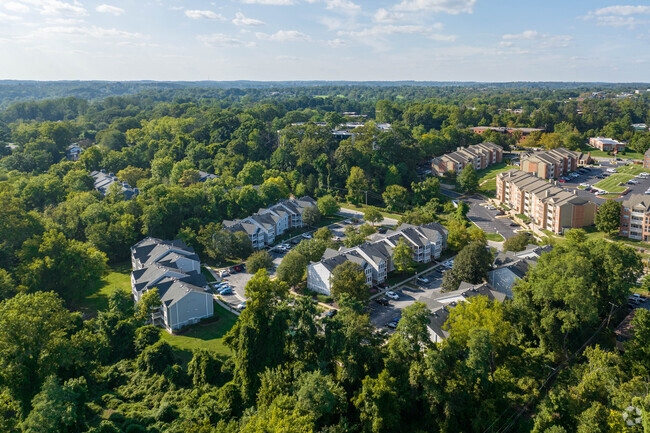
(480, 155)
(375, 256)
(174, 270)
(264, 226)
(635, 217)
(549, 206)
(606, 144)
(523, 132)
(103, 182)
(554, 163)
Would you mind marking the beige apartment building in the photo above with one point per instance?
(554, 163)
(547, 205)
(480, 155)
(635, 217)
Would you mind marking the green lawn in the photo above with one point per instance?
(632, 169)
(96, 299)
(626, 155)
(207, 274)
(610, 184)
(492, 171)
(205, 335)
(496, 237)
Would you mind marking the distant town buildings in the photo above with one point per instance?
(524, 132)
(264, 226)
(639, 126)
(554, 163)
(635, 217)
(606, 144)
(550, 207)
(346, 130)
(103, 182)
(174, 270)
(480, 155)
(376, 256)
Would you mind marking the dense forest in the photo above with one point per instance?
(543, 362)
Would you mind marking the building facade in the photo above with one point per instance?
(646, 159)
(480, 155)
(606, 144)
(554, 163)
(635, 217)
(547, 205)
(174, 270)
(376, 256)
(521, 132)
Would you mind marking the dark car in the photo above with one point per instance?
(382, 301)
(513, 224)
(331, 313)
(382, 230)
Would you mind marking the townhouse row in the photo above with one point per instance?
(547, 205)
(174, 269)
(264, 226)
(554, 163)
(376, 256)
(480, 155)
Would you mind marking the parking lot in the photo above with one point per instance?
(486, 219)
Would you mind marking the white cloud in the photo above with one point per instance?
(345, 6)
(453, 7)
(241, 20)
(83, 33)
(269, 2)
(284, 36)
(527, 34)
(384, 16)
(377, 35)
(108, 9)
(536, 39)
(336, 43)
(623, 10)
(223, 40)
(16, 7)
(4, 18)
(56, 7)
(208, 15)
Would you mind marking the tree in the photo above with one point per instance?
(357, 185)
(311, 216)
(328, 205)
(576, 236)
(146, 336)
(323, 233)
(425, 191)
(58, 408)
(518, 242)
(637, 350)
(149, 302)
(372, 215)
(33, 333)
(458, 236)
(379, 403)
(313, 249)
(468, 179)
(156, 358)
(132, 175)
(366, 230)
(189, 177)
(481, 313)
(292, 269)
(349, 278)
(608, 217)
(403, 256)
(353, 237)
(395, 197)
(259, 260)
(204, 368)
(471, 265)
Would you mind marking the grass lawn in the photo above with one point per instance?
(633, 169)
(492, 171)
(489, 186)
(204, 335)
(610, 184)
(496, 237)
(599, 153)
(207, 274)
(96, 299)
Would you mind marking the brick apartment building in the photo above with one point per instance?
(606, 144)
(549, 206)
(480, 155)
(635, 217)
(524, 132)
(551, 164)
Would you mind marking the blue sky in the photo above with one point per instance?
(437, 40)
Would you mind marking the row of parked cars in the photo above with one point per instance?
(635, 300)
(575, 174)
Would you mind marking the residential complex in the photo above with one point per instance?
(549, 206)
(480, 155)
(606, 144)
(103, 182)
(375, 256)
(554, 163)
(264, 226)
(174, 270)
(523, 132)
(635, 217)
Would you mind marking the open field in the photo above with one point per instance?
(492, 171)
(600, 154)
(96, 299)
(632, 169)
(206, 335)
(610, 184)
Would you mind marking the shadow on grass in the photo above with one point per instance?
(95, 298)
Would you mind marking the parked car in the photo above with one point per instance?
(336, 238)
(633, 182)
(584, 184)
(611, 170)
(306, 235)
(396, 319)
(331, 313)
(391, 325)
(562, 180)
(514, 224)
(382, 301)
(392, 295)
(382, 230)
(223, 273)
(226, 291)
(423, 280)
(242, 306)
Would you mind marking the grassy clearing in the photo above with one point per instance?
(633, 169)
(492, 171)
(96, 299)
(611, 183)
(207, 274)
(623, 155)
(206, 335)
(496, 237)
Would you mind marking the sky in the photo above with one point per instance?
(363, 40)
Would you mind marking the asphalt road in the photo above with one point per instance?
(484, 218)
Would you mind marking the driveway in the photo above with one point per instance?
(352, 213)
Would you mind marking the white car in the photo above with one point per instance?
(584, 184)
(306, 235)
(392, 295)
(611, 170)
(242, 306)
